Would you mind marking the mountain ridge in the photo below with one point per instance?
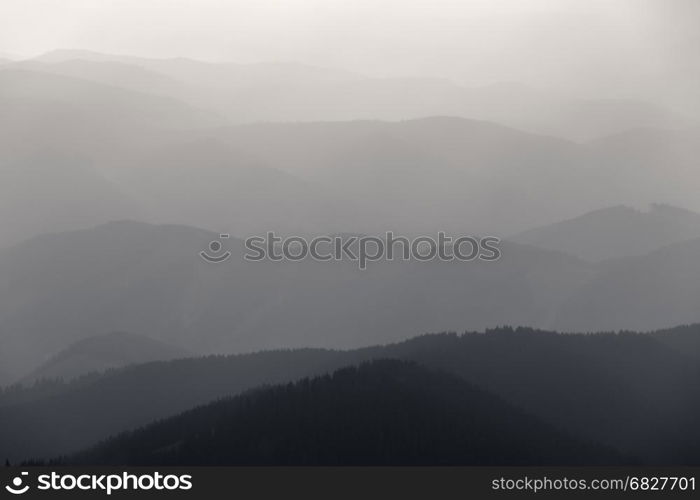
(615, 232)
(349, 417)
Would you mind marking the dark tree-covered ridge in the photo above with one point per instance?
(385, 412)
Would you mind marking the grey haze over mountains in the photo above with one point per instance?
(92, 138)
(292, 92)
(60, 288)
(167, 147)
(56, 132)
(568, 130)
(100, 353)
(647, 291)
(616, 232)
(57, 289)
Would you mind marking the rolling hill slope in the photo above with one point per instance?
(380, 413)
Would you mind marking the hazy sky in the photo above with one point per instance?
(469, 40)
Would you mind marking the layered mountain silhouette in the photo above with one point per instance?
(65, 103)
(135, 277)
(128, 147)
(125, 276)
(685, 339)
(478, 175)
(638, 292)
(91, 408)
(103, 352)
(618, 390)
(66, 193)
(294, 92)
(117, 171)
(380, 413)
(616, 232)
(56, 134)
(228, 188)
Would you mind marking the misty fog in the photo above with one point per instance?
(134, 133)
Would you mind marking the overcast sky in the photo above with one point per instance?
(474, 41)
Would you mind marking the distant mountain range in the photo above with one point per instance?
(91, 149)
(466, 175)
(616, 232)
(49, 129)
(116, 172)
(295, 92)
(100, 353)
(135, 277)
(126, 276)
(646, 292)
